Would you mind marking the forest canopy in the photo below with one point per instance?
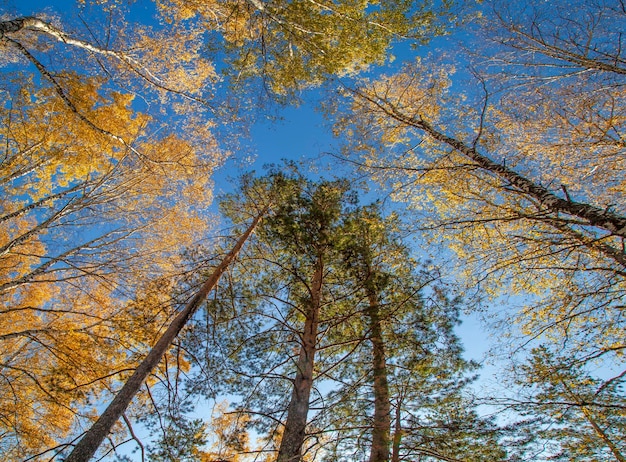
(470, 166)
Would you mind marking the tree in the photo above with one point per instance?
(403, 381)
(306, 226)
(89, 443)
(297, 241)
(82, 222)
(143, 69)
(91, 189)
(290, 45)
(525, 185)
(298, 316)
(264, 327)
(371, 313)
(363, 236)
(583, 415)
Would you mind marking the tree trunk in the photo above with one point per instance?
(397, 434)
(382, 420)
(293, 437)
(595, 216)
(603, 436)
(91, 440)
(12, 26)
(606, 439)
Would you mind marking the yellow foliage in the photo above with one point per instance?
(229, 435)
(94, 204)
(507, 242)
(293, 44)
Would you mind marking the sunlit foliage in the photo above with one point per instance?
(94, 204)
(519, 173)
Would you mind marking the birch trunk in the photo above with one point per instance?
(605, 219)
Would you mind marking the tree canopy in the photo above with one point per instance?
(480, 170)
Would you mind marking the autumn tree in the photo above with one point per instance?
(292, 45)
(90, 195)
(520, 175)
(82, 224)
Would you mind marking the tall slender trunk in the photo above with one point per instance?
(603, 436)
(382, 420)
(295, 427)
(91, 440)
(397, 433)
(606, 439)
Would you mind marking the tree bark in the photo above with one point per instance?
(91, 440)
(12, 26)
(596, 216)
(397, 434)
(29, 22)
(295, 426)
(382, 420)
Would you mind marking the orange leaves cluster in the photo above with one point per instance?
(52, 355)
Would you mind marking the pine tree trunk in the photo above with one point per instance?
(382, 420)
(295, 427)
(91, 440)
(397, 434)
